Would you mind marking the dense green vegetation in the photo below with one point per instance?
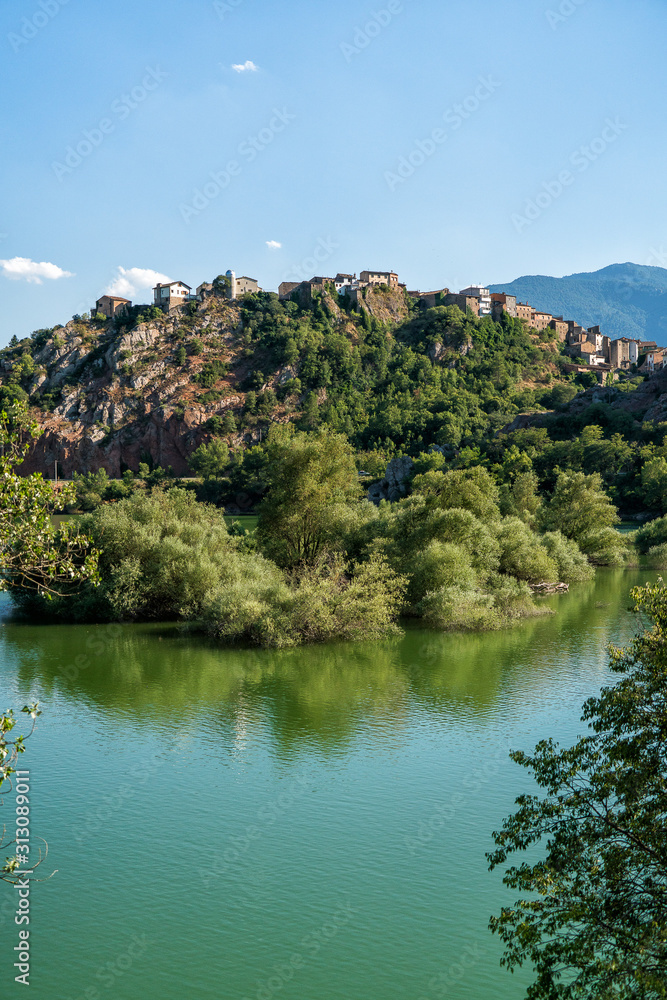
(326, 563)
(35, 556)
(438, 379)
(592, 917)
(331, 394)
(442, 388)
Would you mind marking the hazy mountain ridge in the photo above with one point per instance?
(626, 300)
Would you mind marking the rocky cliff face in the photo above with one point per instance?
(122, 396)
(110, 396)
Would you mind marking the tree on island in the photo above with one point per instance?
(312, 478)
(594, 924)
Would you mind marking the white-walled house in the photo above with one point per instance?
(483, 295)
(175, 293)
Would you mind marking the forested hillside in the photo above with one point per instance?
(196, 392)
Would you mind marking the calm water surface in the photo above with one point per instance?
(306, 824)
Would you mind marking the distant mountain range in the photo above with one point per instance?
(626, 300)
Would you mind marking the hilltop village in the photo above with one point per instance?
(396, 370)
(587, 347)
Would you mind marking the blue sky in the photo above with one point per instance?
(453, 142)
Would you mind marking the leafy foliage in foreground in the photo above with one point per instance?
(592, 917)
(10, 750)
(34, 555)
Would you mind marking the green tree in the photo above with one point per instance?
(228, 423)
(578, 507)
(594, 925)
(311, 411)
(35, 555)
(309, 477)
(654, 483)
(470, 489)
(161, 556)
(180, 356)
(210, 460)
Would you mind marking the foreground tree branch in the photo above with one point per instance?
(34, 554)
(592, 917)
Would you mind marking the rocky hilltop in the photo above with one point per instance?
(144, 388)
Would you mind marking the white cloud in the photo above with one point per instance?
(132, 280)
(247, 67)
(274, 245)
(24, 269)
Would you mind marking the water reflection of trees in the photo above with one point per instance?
(323, 695)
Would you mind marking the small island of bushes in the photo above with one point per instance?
(326, 563)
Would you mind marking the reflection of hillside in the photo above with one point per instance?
(321, 695)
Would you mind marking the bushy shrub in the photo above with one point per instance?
(210, 460)
(512, 599)
(652, 534)
(471, 489)
(656, 557)
(604, 547)
(573, 566)
(323, 603)
(161, 556)
(579, 507)
(522, 555)
(503, 602)
(457, 608)
(440, 564)
(93, 488)
(210, 374)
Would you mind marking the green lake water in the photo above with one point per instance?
(306, 824)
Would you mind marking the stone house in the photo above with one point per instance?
(246, 285)
(540, 320)
(502, 303)
(524, 312)
(379, 278)
(652, 361)
(431, 299)
(305, 289)
(285, 289)
(464, 302)
(344, 280)
(111, 305)
(624, 352)
(560, 326)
